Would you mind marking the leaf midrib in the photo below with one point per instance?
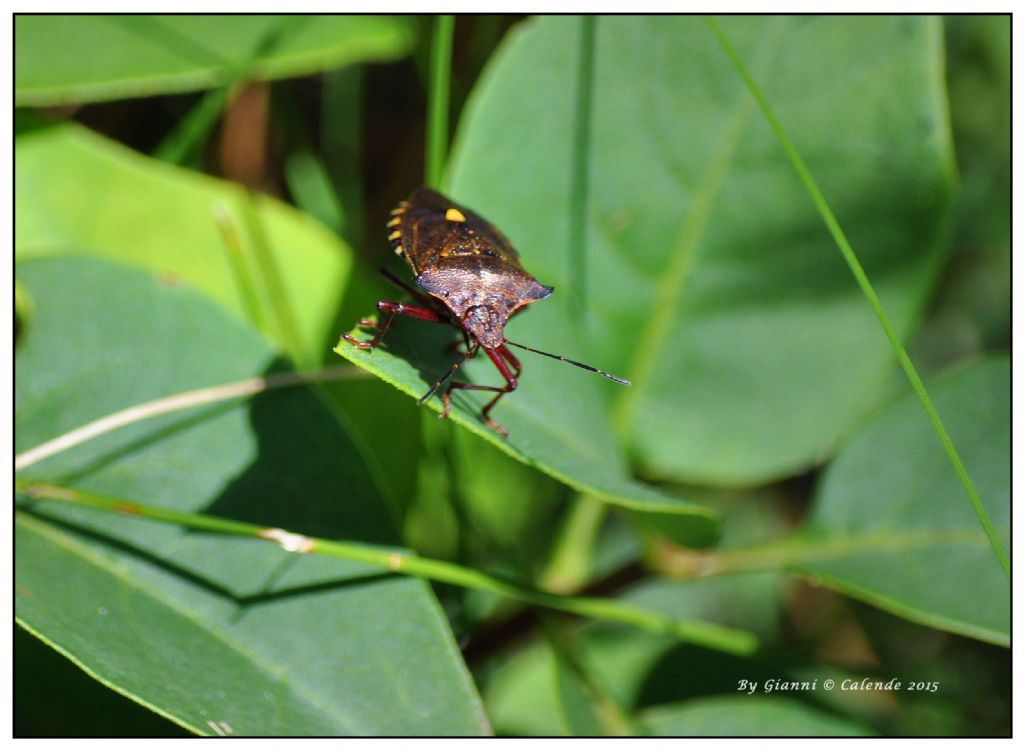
(670, 286)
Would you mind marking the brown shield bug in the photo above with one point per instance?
(472, 279)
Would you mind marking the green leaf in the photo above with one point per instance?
(525, 694)
(576, 702)
(746, 716)
(74, 59)
(78, 193)
(520, 693)
(44, 679)
(200, 627)
(571, 443)
(971, 313)
(711, 281)
(891, 524)
(310, 183)
(508, 504)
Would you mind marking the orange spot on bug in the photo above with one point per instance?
(454, 214)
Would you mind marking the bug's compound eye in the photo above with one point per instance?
(486, 325)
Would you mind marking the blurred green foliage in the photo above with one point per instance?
(767, 472)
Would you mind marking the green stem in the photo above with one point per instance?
(437, 112)
(570, 560)
(862, 279)
(578, 192)
(705, 634)
(800, 550)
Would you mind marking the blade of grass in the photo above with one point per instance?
(580, 178)
(710, 635)
(869, 292)
(440, 87)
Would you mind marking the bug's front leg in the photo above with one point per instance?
(498, 357)
(511, 359)
(389, 310)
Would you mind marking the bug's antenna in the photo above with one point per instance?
(448, 375)
(608, 375)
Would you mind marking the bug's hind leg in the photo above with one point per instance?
(390, 310)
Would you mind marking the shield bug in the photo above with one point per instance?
(469, 276)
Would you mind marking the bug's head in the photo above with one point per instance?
(486, 324)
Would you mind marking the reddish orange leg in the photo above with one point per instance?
(498, 357)
(511, 359)
(390, 310)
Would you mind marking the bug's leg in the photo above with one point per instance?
(390, 310)
(511, 359)
(445, 378)
(510, 385)
(446, 399)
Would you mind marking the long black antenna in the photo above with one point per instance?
(448, 375)
(608, 375)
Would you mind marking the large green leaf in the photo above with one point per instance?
(892, 525)
(77, 192)
(571, 442)
(207, 628)
(709, 279)
(44, 678)
(74, 59)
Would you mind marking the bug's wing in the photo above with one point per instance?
(430, 228)
(488, 233)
